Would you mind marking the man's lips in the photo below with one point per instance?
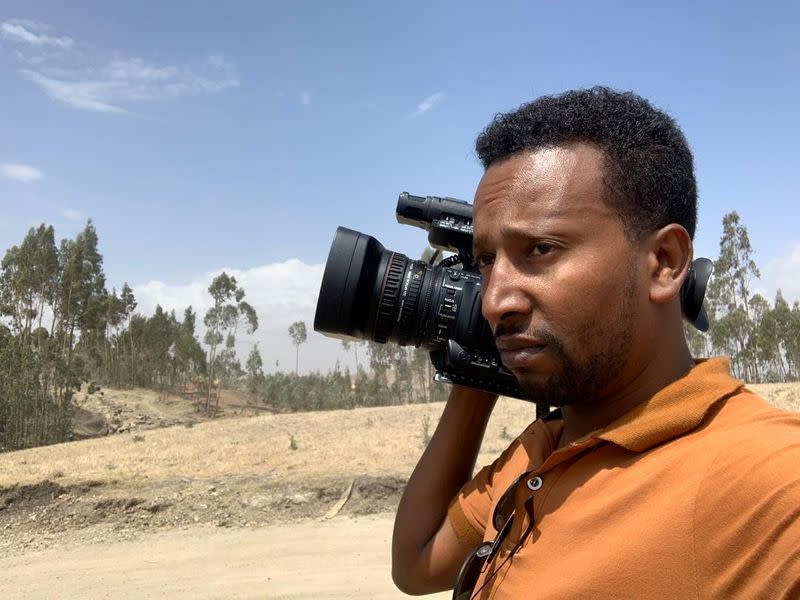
(517, 352)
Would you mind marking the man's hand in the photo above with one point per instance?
(426, 552)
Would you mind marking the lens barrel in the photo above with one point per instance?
(370, 293)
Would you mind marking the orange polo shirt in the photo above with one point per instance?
(693, 494)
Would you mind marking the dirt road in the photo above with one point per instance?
(340, 558)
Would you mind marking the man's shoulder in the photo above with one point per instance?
(747, 414)
(748, 435)
(746, 515)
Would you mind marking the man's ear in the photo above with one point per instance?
(669, 260)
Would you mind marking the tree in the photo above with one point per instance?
(128, 306)
(190, 360)
(223, 320)
(697, 341)
(297, 331)
(789, 323)
(729, 298)
(28, 281)
(255, 370)
(347, 344)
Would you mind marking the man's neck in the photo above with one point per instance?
(583, 418)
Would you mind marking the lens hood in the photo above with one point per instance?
(347, 283)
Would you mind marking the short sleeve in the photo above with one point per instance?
(471, 509)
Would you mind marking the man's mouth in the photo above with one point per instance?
(520, 357)
(517, 352)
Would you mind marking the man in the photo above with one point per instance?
(659, 477)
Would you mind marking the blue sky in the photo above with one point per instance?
(200, 136)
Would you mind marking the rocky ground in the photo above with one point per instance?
(36, 517)
(98, 414)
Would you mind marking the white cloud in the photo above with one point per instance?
(22, 173)
(93, 82)
(782, 273)
(305, 98)
(72, 214)
(281, 294)
(85, 95)
(135, 69)
(31, 33)
(428, 103)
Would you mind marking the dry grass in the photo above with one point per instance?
(782, 395)
(327, 446)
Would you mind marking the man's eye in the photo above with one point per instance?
(483, 260)
(541, 248)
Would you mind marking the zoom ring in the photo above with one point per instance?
(408, 310)
(387, 304)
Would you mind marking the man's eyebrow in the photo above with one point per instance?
(507, 233)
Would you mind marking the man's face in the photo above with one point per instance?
(561, 286)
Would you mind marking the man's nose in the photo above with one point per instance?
(503, 293)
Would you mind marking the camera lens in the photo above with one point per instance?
(372, 293)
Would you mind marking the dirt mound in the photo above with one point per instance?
(25, 497)
(100, 412)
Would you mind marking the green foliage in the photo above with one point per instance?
(34, 397)
(60, 327)
(255, 371)
(399, 376)
(761, 340)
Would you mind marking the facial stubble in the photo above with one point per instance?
(583, 380)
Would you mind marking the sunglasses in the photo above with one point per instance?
(481, 557)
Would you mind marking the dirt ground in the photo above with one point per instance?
(348, 559)
(178, 505)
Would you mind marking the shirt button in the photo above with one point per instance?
(534, 483)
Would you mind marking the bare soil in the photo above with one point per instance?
(162, 470)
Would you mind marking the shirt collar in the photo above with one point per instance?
(674, 410)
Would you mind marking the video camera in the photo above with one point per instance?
(370, 293)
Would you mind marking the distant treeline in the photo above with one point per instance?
(60, 327)
(396, 375)
(761, 339)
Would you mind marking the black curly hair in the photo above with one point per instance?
(648, 169)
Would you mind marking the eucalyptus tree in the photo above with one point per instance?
(297, 332)
(255, 370)
(81, 288)
(28, 280)
(128, 306)
(729, 298)
(223, 320)
(190, 359)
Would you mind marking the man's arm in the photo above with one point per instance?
(426, 552)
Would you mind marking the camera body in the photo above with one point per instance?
(370, 293)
